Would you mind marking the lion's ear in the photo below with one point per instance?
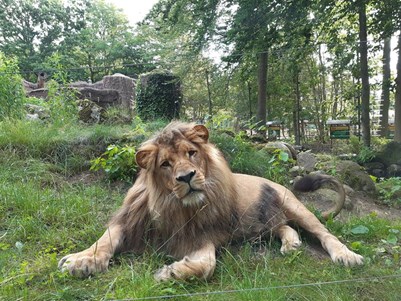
(144, 157)
(202, 132)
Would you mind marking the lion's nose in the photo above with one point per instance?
(187, 178)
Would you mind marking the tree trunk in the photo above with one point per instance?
(322, 114)
(249, 99)
(209, 95)
(262, 94)
(363, 49)
(297, 109)
(397, 121)
(385, 101)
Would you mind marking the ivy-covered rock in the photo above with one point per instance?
(158, 96)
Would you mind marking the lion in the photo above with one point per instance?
(187, 203)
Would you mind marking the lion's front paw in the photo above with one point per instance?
(164, 274)
(346, 257)
(84, 263)
(290, 245)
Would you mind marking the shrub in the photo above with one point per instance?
(117, 161)
(244, 157)
(12, 96)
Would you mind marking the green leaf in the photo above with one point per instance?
(360, 230)
(283, 156)
(392, 239)
(356, 245)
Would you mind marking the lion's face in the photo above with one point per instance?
(177, 163)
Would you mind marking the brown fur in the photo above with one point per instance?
(187, 202)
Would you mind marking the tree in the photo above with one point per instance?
(365, 92)
(397, 107)
(385, 98)
(104, 42)
(32, 30)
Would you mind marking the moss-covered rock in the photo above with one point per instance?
(158, 96)
(356, 177)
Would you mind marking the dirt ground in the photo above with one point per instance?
(356, 204)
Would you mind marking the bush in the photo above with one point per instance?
(118, 162)
(244, 157)
(12, 96)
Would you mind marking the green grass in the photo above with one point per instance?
(46, 212)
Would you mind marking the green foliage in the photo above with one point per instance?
(366, 154)
(158, 96)
(390, 191)
(61, 99)
(117, 161)
(12, 97)
(244, 157)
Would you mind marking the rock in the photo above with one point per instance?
(390, 154)
(373, 165)
(38, 93)
(125, 87)
(296, 171)
(39, 111)
(348, 190)
(356, 177)
(394, 170)
(104, 98)
(89, 112)
(376, 169)
(285, 147)
(32, 117)
(378, 173)
(307, 161)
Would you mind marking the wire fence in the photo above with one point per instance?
(269, 288)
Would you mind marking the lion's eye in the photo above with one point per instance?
(191, 153)
(165, 164)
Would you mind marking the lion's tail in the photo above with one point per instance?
(316, 181)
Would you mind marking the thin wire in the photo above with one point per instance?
(256, 289)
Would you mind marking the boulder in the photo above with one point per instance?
(390, 154)
(39, 111)
(394, 170)
(38, 93)
(285, 147)
(354, 175)
(125, 87)
(307, 161)
(102, 97)
(89, 112)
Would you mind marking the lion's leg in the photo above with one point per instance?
(200, 263)
(289, 239)
(297, 212)
(95, 258)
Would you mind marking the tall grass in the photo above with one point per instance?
(12, 97)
